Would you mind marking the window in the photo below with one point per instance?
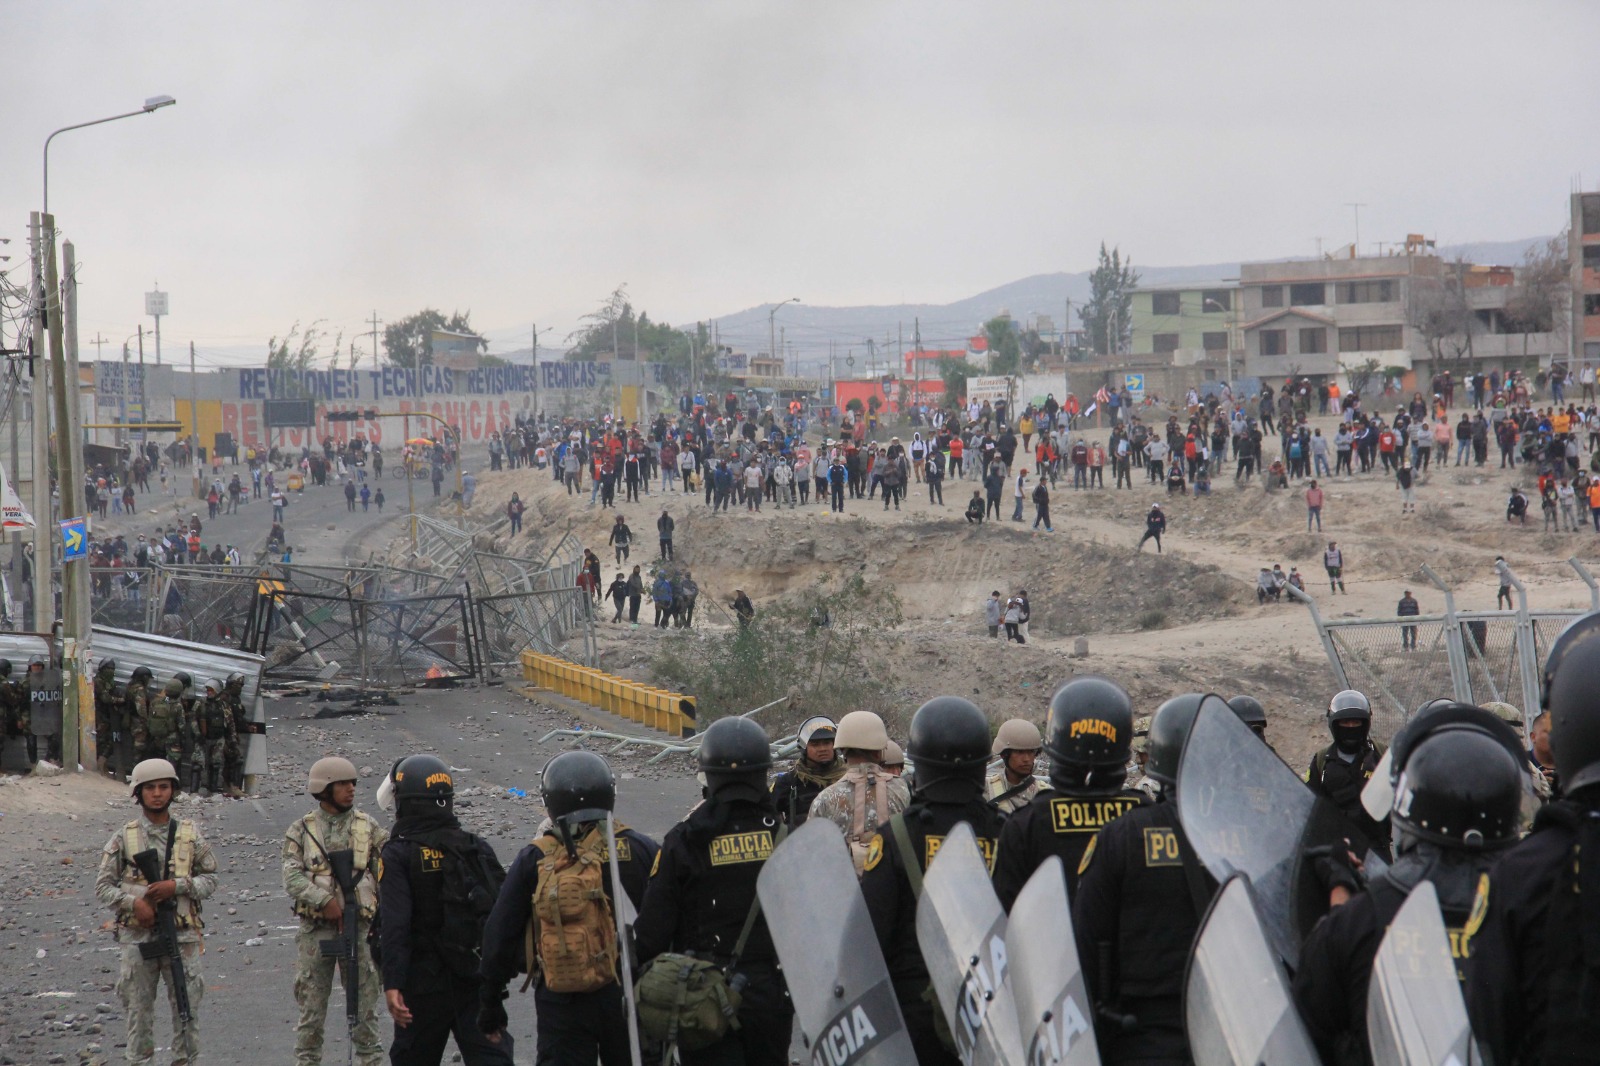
(1370, 339)
(1216, 300)
(1274, 342)
(1591, 214)
(1310, 294)
(1164, 342)
(1215, 342)
(1272, 296)
(1591, 256)
(1163, 303)
(1591, 303)
(1368, 292)
(1313, 341)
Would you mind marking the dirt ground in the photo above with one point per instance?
(1184, 620)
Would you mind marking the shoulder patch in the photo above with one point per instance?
(1480, 908)
(1161, 846)
(656, 864)
(1088, 854)
(874, 853)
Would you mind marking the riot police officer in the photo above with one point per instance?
(1142, 892)
(1458, 802)
(217, 735)
(577, 1001)
(110, 716)
(1012, 785)
(437, 886)
(13, 703)
(949, 743)
(817, 767)
(45, 712)
(702, 893)
(1530, 990)
(1091, 733)
(1251, 713)
(1341, 770)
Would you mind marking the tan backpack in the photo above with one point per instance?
(573, 931)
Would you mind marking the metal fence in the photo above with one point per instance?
(1471, 656)
(538, 620)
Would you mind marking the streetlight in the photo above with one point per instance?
(772, 335)
(155, 103)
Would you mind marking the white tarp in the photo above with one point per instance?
(15, 516)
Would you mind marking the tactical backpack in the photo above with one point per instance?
(573, 931)
(470, 883)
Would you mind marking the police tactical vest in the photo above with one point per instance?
(214, 716)
(180, 864)
(165, 719)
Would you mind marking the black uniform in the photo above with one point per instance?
(1055, 823)
(1141, 894)
(892, 903)
(795, 788)
(1330, 988)
(571, 1025)
(700, 894)
(1341, 781)
(1528, 995)
(430, 947)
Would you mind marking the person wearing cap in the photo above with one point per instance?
(189, 876)
(1155, 524)
(1011, 786)
(1511, 716)
(866, 796)
(318, 901)
(818, 766)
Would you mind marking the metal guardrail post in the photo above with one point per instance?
(1588, 579)
(1455, 646)
(1322, 632)
(1527, 654)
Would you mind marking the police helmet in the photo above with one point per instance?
(106, 666)
(819, 727)
(141, 673)
(1460, 787)
(1016, 734)
(734, 752)
(37, 660)
(950, 742)
(173, 687)
(210, 684)
(153, 770)
(1250, 712)
(327, 771)
(424, 777)
(577, 786)
(5, 668)
(184, 677)
(862, 731)
(1573, 701)
(1349, 705)
(1091, 733)
(235, 680)
(1169, 731)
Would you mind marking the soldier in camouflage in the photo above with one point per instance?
(217, 735)
(165, 726)
(867, 796)
(1012, 786)
(319, 904)
(13, 703)
(137, 700)
(191, 877)
(233, 697)
(110, 714)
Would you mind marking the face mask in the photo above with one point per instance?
(1349, 739)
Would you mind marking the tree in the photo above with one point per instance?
(615, 328)
(409, 342)
(1360, 374)
(298, 350)
(1442, 316)
(1108, 315)
(1541, 300)
(1005, 351)
(953, 372)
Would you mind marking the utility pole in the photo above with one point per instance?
(69, 457)
(39, 227)
(375, 322)
(1066, 358)
(1356, 247)
(122, 397)
(916, 362)
(194, 424)
(536, 372)
(144, 414)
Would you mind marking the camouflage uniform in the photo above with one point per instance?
(14, 708)
(162, 732)
(859, 802)
(233, 696)
(119, 883)
(310, 884)
(217, 735)
(110, 718)
(137, 700)
(997, 786)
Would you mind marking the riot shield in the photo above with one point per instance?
(1054, 1014)
(837, 979)
(623, 911)
(1377, 795)
(1415, 1014)
(961, 929)
(1237, 1006)
(1244, 811)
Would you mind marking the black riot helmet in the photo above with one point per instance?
(423, 778)
(1169, 731)
(1251, 713)
(5, 668)
(184, 678)
(577, 786)
(1349, 720)
(1460, 786)
(1573, 700)
(235, 682)
(140, 673)
(107, 666)
(949, 743)
(1090, 734)
(734, 754)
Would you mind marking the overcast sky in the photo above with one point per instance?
(522, 159)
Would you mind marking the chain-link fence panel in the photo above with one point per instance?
(1397, 664)
(1494, 670)
(543, 620)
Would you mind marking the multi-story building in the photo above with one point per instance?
(1187, 322)
(1583, 249)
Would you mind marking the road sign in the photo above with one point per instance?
(155, 303)
(74, 538)
(1134, 383)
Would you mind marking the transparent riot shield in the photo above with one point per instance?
(1237, 1006)
(1244, 811)
(622, 909)
(1415, 1014)
(1054, 1015)
(962, 931)
(1377, 795)
(837, 979)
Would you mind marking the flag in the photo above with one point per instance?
(1091, 410)
(1102, 396)
(16, 515)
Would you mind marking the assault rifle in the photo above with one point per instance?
(165, 946)
(347, 945)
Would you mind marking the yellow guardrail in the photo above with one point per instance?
(670, 712)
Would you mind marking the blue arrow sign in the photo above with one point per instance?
(74, 538)
(1133, 382)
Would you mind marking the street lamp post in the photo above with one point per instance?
(772, 335)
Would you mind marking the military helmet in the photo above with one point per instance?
(1507, 713)
(1461, 786)
(153, 770)
(819, 727)
(1141, 733)
(173, 687)
(209, 684)
(423, 777)
(1573, 701)
(140, 673)
(949, 732)
(1249, 711)
(106, 666)
(5, 668)
(329, 770)
(862, 731)
(1016, 734)
(235, 680)
(577, 786)
(185, 678)
(1169, 731)
(893, 755)
(1091, 731)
